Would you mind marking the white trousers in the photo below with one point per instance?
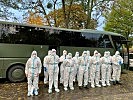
(95, 74)
(61, 73)
(53, 71)
(83, 75)
(116, 72)
(105, 72)
(76, 68)
(45, 77)
(32, 83)
(68, 76)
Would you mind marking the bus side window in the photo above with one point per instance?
(104, 42)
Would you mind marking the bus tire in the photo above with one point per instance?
(16, 73)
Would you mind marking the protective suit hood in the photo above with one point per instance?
(95, 53)
(64, 52)
(84, 53)
(49, 52)
(88, 53)
(105, 54)
(108, 53)
(77, 54)
(53, 52)
(34, 54)
(117, 53)
(69, 56)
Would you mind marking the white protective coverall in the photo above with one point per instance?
(117, 60)
(46, 67)
(68, 72)
(89, 58)
(53, 71)
(83, 70)
(62, 58)
(111, 68)
(76, 66)
(95, 69)
(106, 61)
(32, 71)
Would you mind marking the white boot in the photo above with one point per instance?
(108, 84)
(28, 94)
(36, 92)
(32, 90)
(65, 88)
(98, 85)
(49, 90)
(57, 90)
(103, 84)
(72, 88)
(92, 86)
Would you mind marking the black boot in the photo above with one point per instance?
(114, 82)
(86, 86)
(118, 82)
(80, 87)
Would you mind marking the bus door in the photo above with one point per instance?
(57, 48)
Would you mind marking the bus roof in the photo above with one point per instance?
(48, 27)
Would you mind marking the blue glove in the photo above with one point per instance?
(45, 69)
(120, 62)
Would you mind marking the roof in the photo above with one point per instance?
(48, 27)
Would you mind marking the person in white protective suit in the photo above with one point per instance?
(111, 69)
(32, 71)
(83, 70)
(46, 67)
(89, 58)
(105, 68)
(53, 71)
(68, 64)
(76, 66)
(62, 58)
(117, 61)
(95, 69)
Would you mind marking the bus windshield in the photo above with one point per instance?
(118, 41)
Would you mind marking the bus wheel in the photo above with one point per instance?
(16, 73)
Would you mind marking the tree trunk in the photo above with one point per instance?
(40, 4)
(64, 13)
(55, 24)
(89, 11)
(68, 17)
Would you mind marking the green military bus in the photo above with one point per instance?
(17, 41)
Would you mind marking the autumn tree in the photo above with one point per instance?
(92, 8)
(77, 17)
(34, 18)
